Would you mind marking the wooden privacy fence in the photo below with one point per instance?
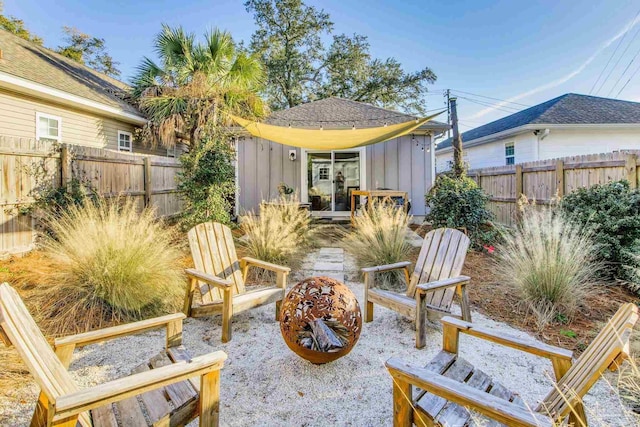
(149, 180)
(543, 180)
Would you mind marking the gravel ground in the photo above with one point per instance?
(264, 383)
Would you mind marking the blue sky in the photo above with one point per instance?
(523, 51)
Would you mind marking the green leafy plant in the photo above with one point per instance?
(461, 203)
(551, 262)
(280, 233)
(612, 212)
(568, 333)
(207, 183)
(111, 262)
(379, 236)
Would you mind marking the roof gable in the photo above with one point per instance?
(340, 113)
(567, 109)
(34, 63)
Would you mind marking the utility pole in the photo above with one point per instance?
(458, 165)
(448, 95)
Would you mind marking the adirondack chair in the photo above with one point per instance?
(435, 280)
(220, 277)
(170, 385)
(449, 384)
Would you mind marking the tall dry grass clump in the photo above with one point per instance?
(550, 261)
(280, 233)
(379, 236)
(111, 263)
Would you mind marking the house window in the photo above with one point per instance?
(323, 173)
(48, 127)
(510, 154)
(124, 141)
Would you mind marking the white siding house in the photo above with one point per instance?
(565, 126)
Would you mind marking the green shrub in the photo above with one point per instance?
(461, 203)
(550, 260)
(379, 236)
(612, 212)
(111, 262)
(279, 234)
(207, 182)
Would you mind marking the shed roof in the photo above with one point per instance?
(339, 113)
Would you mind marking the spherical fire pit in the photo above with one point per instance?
(320, 320)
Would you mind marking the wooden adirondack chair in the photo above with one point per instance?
(169, 385)
(450, 384)
(220, 277)
(435, 280)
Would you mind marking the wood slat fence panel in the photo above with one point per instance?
(545, 180)
(110, 173)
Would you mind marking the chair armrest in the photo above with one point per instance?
(208, 278)
(248, 262)
(105, 334)
(93, 397)
(526, 345)
(388, 267)
(492, 406)
(444, 283)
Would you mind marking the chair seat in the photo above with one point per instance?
(394, 301)
(241, 302)
(444, 413)
(175, 404)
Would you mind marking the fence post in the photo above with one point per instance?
(147, 181)
(631, 167)
(65, 166)
(519, 190)
(560, 178)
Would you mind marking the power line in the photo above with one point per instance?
(625, 70)
(488, 97)
(630, 78)
(505, 109)
(612, 55)
(618, 61)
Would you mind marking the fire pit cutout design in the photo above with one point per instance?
(320, 319)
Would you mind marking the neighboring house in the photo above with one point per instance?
(325, 178)
(44, 95)
(568, 125)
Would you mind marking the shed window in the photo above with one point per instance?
(510, 153)
(323, 173)
(48, 127)
(124, 141)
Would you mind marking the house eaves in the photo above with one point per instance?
(37, 90)
(537, 126)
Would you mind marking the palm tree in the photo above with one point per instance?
(195, 85)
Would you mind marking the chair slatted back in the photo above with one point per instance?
(609, 344)
(441, 257)
(34, 350)
(214, 253)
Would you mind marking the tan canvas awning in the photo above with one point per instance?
(329, 139)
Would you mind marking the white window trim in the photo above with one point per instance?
(130, 150)
(50, 117)
(506, 144)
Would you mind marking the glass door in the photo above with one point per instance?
(331, 177)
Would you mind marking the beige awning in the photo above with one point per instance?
(329, 139)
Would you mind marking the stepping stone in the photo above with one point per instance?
(330, 257)
(328, 266)
(324, 251)
(331, 274)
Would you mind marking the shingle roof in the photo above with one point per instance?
(31, 62)
(570, 108)
(335, 112)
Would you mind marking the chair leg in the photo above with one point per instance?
(368, 312)
(278, 305)
(368, 305)
(402, 409)
(210, 399)
(464, 303)
(41, 412)
(421, 321)
(227, 313)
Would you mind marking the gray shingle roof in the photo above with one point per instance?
(570, 108)
(341, 113)
(31, 62)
